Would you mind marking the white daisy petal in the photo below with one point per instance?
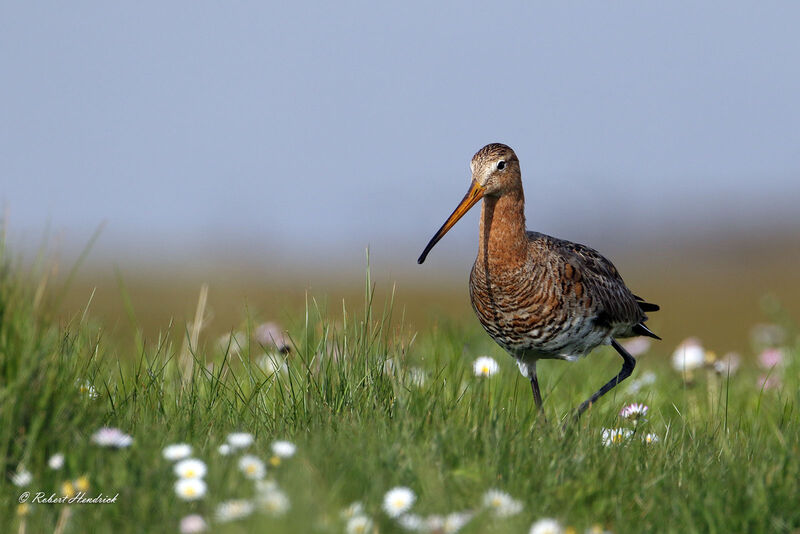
(284, 449)
(190, 468)
(177, 451)
(240, 440)
(190, 489)
(56, 461)
(252, 467)
(485, 366)
(234, 509)
(398, 501)
(359, 524)
(547, 526)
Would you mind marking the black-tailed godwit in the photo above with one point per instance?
(540, 297)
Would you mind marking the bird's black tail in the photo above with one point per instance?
(646, 306)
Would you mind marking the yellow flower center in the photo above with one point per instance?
(82, 484)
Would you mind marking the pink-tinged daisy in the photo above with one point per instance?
(769, 358)
(769, 382)
(636, 413)
(111, 437)
(192, 524)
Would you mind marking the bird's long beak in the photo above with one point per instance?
(474, 194)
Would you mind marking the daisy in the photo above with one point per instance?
(455, 522)
(769, 382)
(769, 358)
(272, 334)
(252, 467)
(240, 440)
(272, 363)
(274, 502)
(190, 468)
(398, 501)
(415, 376)
(689, 355)
(637, 413)
(233, 343)
(434, 523)
(501, 504)
(650, 438)
(87, 389)
(646, 379)
(767, 335)
(485, 366)
(178, 451)
(615, 436)
(192, 524)
(265, 486)
(359, 524)
(233, 510)
(728, 364)
(190, 489)
(224, 449)
(353, 510)
(22, 477)
(637, 346)
(546, 526)
(411, 522)
(68, 489)
(283, 449)
(56, 461)
(111, 437)
(82, 483)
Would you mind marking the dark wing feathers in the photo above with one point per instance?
(619, 304)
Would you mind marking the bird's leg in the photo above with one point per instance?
(627, 368)
(537, 396)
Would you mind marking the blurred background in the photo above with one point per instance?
(263, 148)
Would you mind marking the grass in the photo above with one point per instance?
(351, 399)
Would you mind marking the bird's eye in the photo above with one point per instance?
(501, 165)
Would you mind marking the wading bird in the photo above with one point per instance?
(537, 296)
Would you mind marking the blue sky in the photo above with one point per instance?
(299, 129)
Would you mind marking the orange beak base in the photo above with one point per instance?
(474, 194)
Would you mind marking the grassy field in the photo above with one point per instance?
(371, 405)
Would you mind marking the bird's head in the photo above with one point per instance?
(495, 171)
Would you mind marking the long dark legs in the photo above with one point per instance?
(627, 368)
(537, 396)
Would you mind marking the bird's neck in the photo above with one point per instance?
(503, 240)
